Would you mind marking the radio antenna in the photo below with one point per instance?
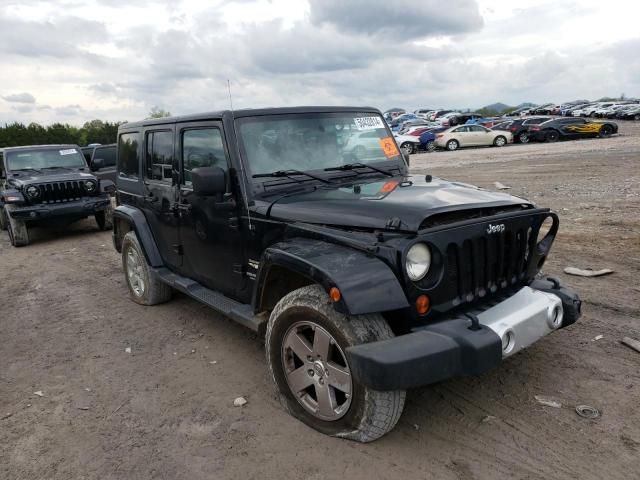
(230, 99)
(244, 174)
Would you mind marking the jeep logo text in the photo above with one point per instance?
(495, 228)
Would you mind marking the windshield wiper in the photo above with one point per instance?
(55, 167)
(289, 174)
(353, 166)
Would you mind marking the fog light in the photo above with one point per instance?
(422, 304)
(554, 316)
(508, 341)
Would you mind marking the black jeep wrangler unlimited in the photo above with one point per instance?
(47, 184)
(364, 280)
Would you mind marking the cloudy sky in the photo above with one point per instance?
(76, 60)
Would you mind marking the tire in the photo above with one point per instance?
(144, 286)
(499, 141)
(552, 136)
(452, 145)
(17, 230)
(431, 146)
(606, 130)
(3, 219)
(359, 152)
(353, 411)
(407, 147)
(636, 117)
(104, 218)
(523, 137)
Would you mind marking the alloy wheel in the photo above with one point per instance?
(135, 273)
(317, 371)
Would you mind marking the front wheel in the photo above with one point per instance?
(431, 146)
(606, 131)
(523, 137)
(499, 141)
(306, 342)
(452, 145)
(17, 230)
(407, 147)
(144, 286)
(104, 218)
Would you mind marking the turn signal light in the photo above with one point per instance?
(335, 295)
(422, 304)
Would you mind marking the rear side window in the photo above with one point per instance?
(159, 157)
(128, 149)
(108, 154)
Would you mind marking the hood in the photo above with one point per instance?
(401, 203)
(20, 179)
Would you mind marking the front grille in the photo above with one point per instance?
(60, 192)
(479, 266)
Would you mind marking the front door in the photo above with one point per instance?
(160, 193)
(210, 228)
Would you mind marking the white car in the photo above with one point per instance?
(408, 143)
(472, 136)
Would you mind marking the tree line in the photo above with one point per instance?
(95, 131)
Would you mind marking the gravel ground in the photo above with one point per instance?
(165, 410)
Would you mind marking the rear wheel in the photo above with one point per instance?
(499, 141)
(144, 286)
(431, 146)
(452, 145)
(306, 342)
(407, 147)
(523, 137)
(636, 116)
(552, 136)
(606, 130)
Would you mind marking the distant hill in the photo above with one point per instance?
(496, 107)
(526, 105)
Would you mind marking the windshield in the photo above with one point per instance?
(314, 141)
(45, 158)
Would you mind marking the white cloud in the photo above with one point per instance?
(113, 59)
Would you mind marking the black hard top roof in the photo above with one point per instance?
(250, 112)
(38, 147)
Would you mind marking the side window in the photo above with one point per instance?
(159, 156)
(461, 130)
(201, 147)
(128, 155)
(108, 154)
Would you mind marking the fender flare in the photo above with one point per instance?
(366, 283)
(138, 222)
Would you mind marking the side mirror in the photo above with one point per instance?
(97, 164)
(208, 181)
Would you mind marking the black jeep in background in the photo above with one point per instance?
(49, 184)
(102, 161)
(363, 279)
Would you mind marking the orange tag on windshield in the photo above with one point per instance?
(389, 147)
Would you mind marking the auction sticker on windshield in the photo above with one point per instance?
(389, 147)
(69, 151)
(368, 123)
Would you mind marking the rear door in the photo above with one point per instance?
(210, 229)
(160, 193)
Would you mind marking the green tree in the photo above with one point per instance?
(157, 112)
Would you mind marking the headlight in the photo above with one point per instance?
(90, 186)
(418, 261)
(33, 192)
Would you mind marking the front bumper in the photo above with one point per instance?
(452, 347)
(79, 208)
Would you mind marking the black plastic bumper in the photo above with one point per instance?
(435, 353)
(80, 208)
(450, 348)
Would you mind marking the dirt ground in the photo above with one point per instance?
(165, 410)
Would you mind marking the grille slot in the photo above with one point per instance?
(60, 192)
(479, 266)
